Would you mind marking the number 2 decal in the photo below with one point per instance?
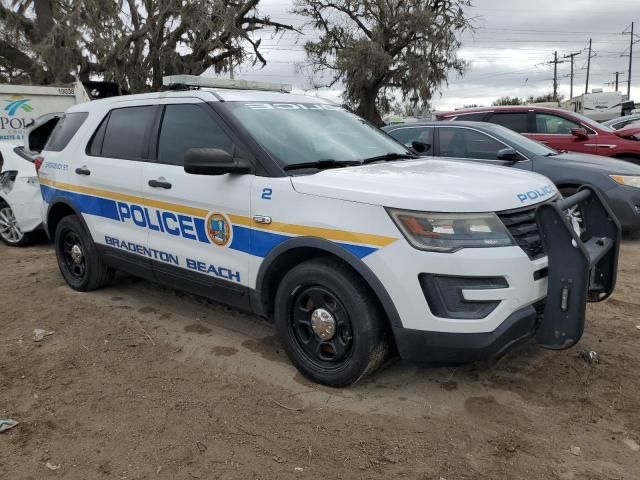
(266, 193)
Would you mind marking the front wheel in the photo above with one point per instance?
(78, 257)
(10, 232)
(332, 327)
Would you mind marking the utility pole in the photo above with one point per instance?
(586, 87)
(571, 56)
(631, 42)
(555, 76)
(555, 62)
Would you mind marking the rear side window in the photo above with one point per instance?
(472, 117)
(64, 131)
(188, 126)
(516, 121)
(126, 134)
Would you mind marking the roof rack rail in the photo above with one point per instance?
(188, 82)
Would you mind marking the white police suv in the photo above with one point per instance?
(295, 209)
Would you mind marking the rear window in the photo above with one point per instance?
(126, 134)
(64, 131)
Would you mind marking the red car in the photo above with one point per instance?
(559, 129)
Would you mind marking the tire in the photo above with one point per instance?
(10, 232)
(359, 342)
(82, 268)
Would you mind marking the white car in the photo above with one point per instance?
(20, 198)
(295, 209)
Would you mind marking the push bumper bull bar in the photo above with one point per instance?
(582, 268)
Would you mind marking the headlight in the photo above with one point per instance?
(448, 232)
(629, 180)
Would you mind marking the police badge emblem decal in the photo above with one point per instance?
(218, 229)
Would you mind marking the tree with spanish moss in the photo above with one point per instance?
(374, 47)
(131, 42)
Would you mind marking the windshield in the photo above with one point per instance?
(520, 142)
(592, 123)
(296, 133)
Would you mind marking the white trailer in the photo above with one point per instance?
(597, 105)
(20, 105)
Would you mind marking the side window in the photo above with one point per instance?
(64, 131)
(472, 117)
(554, 124)
(188, 126)
(406, 135)
(516, 121)
(126, 133)
(467, 143)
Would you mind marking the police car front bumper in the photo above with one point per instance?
(580, 269)
(420, 346)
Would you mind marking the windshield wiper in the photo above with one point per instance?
(387, 157)
(322, 164)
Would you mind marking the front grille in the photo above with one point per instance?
(523, 228)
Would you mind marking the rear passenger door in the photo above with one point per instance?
(110, 171)
(191, 229)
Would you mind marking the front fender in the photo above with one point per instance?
(330, 248)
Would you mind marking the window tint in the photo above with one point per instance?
(467, 143)
(185, 127)
(64, 131)
(126, 132)
(406, 135)
(554, 124)
(472, 117)
(516, 121)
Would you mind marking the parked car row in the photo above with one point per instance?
(494, 144)
(559, 129)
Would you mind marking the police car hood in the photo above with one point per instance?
(433, 184)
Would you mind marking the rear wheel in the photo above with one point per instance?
(332, 328)
(78, 257)
(10, 232)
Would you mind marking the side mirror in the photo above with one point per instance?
(508, 154)
(579, 132)
(213, 161)
(420, 147)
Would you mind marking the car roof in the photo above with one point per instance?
(633, 116)
(205, 94)
(434, 123)
(503, 109)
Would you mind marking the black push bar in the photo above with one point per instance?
(582, 265)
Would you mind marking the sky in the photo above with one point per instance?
(508, 51)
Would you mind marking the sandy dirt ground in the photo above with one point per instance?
(140, 381)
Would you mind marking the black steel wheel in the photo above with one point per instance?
(321, 325)
(78, 258)
(331, 325)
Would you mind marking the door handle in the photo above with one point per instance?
(159, 184)
(83, 171)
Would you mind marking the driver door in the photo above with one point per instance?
(191, 226)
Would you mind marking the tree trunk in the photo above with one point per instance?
(367, 108)
(44, 16)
